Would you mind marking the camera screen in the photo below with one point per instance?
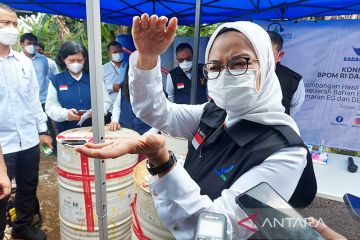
(211, 229)
(274, 216)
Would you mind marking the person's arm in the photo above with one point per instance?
(151, 106)
(114, 124)
(53, 108)
(5, 184)
(170, 88)
(39, 113)
(152, 36)
(177, 196)
(107, 101)
(53, 69)
(297, 99)
(178, 200)
(116, 109)
(108, 77)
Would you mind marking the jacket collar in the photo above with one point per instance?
(245, 131)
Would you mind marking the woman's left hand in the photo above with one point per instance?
(153, 146)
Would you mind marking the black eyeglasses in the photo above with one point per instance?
(236, 67)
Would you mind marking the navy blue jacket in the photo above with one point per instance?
(72, 94)
(182, 86)
(128, 118)
(227, 153)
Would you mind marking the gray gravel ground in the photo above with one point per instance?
(335, 215)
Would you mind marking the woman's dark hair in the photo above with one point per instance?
(71, 48)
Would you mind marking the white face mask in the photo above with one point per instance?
(117, 57)
(234, 93)
(185, 65)
(8, 35)
(30, 49)
(75, 67)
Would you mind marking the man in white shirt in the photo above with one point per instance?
(22, 127)
(114, 72)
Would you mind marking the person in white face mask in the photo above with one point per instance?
(23, 130)
(69, 91)
(241, 138)
(28, 43)
(114, 73)
(178, 81)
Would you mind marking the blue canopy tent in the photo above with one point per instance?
(188, 13)
(213, 11)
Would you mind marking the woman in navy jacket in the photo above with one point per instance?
(69, 91)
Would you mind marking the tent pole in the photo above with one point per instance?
(97, 106)
(194, 71)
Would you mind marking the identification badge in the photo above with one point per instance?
(180, 85)
(198, 139)
(63, 87)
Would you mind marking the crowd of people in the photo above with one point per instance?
(240, 122)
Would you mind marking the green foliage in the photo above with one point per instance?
(205, 31)
(54, 30)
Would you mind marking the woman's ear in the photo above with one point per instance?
(280, 56)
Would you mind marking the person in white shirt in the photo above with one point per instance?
(114, 72)
(239, 139)
(22, 128)
(69, 91)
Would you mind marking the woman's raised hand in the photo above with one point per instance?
(152, 38)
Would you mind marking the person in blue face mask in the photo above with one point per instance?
(114, 73)
(178, 81)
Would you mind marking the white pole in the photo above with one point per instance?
(194, 71)
(97, 106)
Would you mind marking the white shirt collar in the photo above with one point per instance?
(12, 53)
(114, 65)
(76, 78)
(35, 55)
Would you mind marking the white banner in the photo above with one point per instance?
(327, 55)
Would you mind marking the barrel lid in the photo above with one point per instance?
(142, 176)
(86, 133)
